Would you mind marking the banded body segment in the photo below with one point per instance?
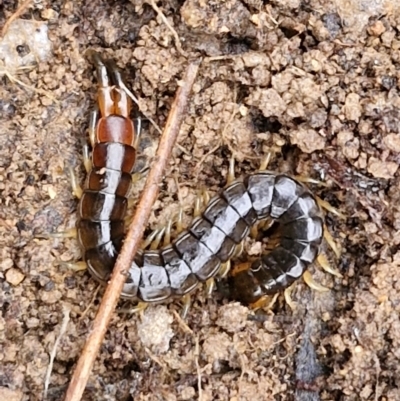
(294, 207)
(197, 254)
(103, 204)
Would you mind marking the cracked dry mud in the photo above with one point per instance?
(315, 81)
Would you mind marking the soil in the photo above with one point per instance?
(317, 83)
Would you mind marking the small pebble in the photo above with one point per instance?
(14, 276)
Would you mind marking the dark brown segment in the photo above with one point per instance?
(305, 251)
(101, 261)
(154, 284)
(244, 287)
(98, 206)
(310, 229)
(277, 270)
(181, 278)
(197, 256)
(115, 156)
(115, 129)
(213, 238)
(237, 196)
(109, 181)
(220, 214)
(92, 234)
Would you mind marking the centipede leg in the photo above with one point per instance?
(94, 118)
(288, 297)
(331, 242)
(149, 239)
(324, 263)
(138, 130)
(308, 279)
(76, 188)
(71, 233)
(139, 307)
(210, 285)
(224, 269)
(186, 302)
(179, 223)
(265, 162)
(328, 207)
(265, 302)
(75, 266)
(231, 171)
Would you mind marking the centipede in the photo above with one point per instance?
(198, 253)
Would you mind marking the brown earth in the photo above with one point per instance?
(315, 81)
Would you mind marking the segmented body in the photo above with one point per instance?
(197, 254)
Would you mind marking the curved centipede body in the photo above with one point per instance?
(197, 254)
(103, 203)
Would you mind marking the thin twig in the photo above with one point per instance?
(20, 10)
(169, 26)
(133, 238)
(53, 353)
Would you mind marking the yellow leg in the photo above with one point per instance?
(308, 279)
(167, 234)
(138, 129)
(265, 161)
(326, 205)
(331, 242)
(206, 197)
(186, 302)
(231, 171)
(75, 266)
(324, 263)
(265, 302)
(254, 231)
(224, 269)
(198, 205)
(146, 242)
(210, 285)
(76, 188)
(136, 177)
(87, 161)
(309, 180)
(140, 307)
(288, 297)
(71, 233)
(241, 267)
(156, 242)
(94, 116)
(238, 250)
(179, 222)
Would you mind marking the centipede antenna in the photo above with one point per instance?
(101, 69)
(115, 74)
